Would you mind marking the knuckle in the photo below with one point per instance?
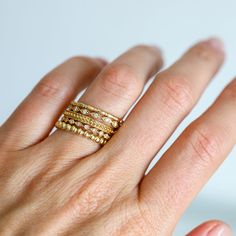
(206, 142)
(177, 93)
(120, 80)
(50, 88)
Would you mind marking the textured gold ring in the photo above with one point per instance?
(89, 121)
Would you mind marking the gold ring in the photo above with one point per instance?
(89, 121)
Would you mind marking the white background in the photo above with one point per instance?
(37, 35)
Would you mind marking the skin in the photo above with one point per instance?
(58, 183)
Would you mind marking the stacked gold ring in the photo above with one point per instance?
(89, 121)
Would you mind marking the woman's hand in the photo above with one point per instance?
(65, 184)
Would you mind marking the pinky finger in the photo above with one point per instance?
(212, 228)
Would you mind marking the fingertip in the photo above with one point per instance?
(220, 229)
(101, 61)
(212, 228)
(216, 43)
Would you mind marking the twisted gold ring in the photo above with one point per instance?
(89, 121)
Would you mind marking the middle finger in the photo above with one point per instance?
(115, 90)
(168, 100)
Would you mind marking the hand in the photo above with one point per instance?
(65, 184)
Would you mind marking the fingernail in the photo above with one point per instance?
(101, 60)
(216, 43)
(220, 230)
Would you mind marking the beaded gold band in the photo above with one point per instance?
(91, 108)
(81, 131)
(89, 121)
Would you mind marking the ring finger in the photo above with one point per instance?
(115, 90)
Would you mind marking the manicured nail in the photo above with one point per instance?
(216, 43)
(220, 230)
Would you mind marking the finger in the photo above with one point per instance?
(198, 152)
(212, 228)
(35, 117)
(168, 100)
(116, 89)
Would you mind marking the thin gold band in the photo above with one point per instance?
(98, 114)
(91, 108)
